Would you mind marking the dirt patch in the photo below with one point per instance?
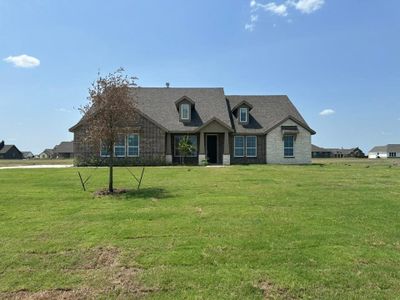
(106, 192)
(272, 291)
(104, 277)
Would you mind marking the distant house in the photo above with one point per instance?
(46, 154)
(27, 154)
(388, 151)
(318, 152)
(9, 152)
(64, 150)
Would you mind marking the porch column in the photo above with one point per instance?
(226, 159)
(168, 150)
(202, 152)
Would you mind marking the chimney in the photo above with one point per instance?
(1, 144)
(167, 84)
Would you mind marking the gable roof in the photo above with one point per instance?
(64, 147)
(268, 112)
(386, 149)
(159, 104)
(6, 148)
(47, 151)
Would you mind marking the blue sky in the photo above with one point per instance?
(341, 56)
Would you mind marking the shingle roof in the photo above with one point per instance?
(386, 149)
(267, 112)
(5, 149)
(159, 105)
(64, 147)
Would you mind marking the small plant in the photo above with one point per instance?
(185, 148)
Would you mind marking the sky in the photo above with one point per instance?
(337, 60)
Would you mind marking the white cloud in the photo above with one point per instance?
(280, 10)
(23, 61)
(253, 3)
(250, 27)
(307, 6)
(253, 18)
(327, 112)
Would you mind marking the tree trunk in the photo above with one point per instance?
(111, 175)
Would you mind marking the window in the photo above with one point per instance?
(185, 111)
(192, 139)
(239, 146)
(392, 154)
(243, 115)
(245, 146)
(288, 144)
(251, 146)
(119, 147)
(103, 150)
(133, 145)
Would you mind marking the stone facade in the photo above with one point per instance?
(302, 146)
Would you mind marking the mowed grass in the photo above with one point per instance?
(324, 231)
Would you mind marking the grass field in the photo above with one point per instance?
(324, 231)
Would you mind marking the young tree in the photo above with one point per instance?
(185, 148)
(110, 113)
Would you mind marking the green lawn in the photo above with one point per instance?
(326, 231)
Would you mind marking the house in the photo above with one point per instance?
(388, 151)
(223, 129)
(9, 151)
(46, 154)
(64, 150)
(318, 152)
(27, 155)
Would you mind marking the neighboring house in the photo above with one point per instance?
(27, 154)
(223, 129)
(318, 152)
(9, 151)
(64, 150)
(46, 154)
(388, 151)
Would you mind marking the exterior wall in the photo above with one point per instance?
(375, 155)
(261, 154)
(302, 146)
(151, 146)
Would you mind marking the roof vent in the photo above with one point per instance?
(167, 84)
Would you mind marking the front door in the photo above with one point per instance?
(212, 149)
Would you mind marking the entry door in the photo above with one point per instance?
(212, 149)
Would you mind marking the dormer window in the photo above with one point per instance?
(185, 111)
(243, 115)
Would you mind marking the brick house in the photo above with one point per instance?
(223, 129)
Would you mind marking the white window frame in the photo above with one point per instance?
(101, 154)
(185, 105)
(133, 147)
(255, 147)
(195, 154)
(284, 148)
(124, 147)
(246, 110)
(234, 145)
